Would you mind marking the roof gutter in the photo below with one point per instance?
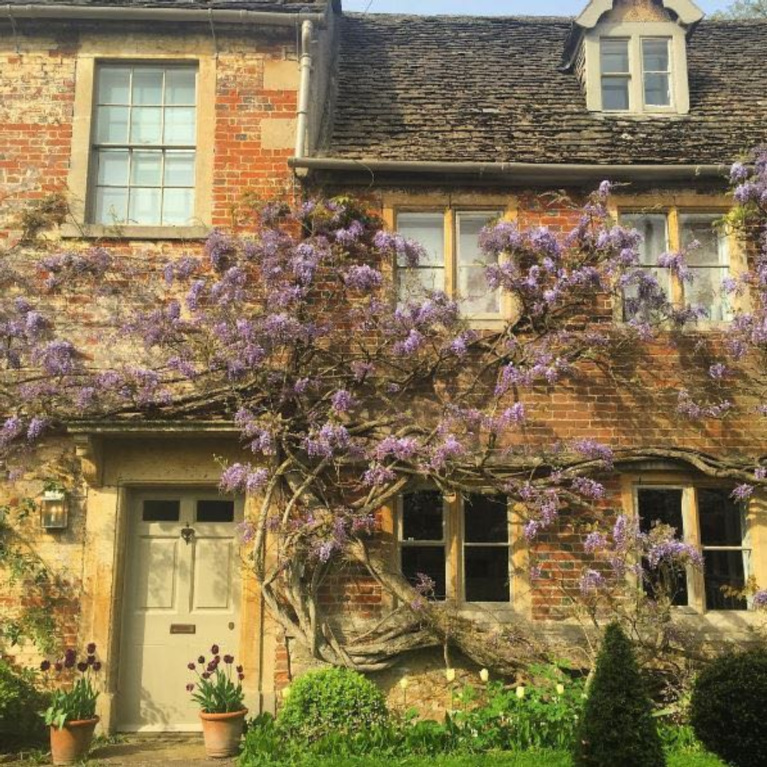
(200, 15)
(514, 171)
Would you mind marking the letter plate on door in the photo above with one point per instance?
(183, 628)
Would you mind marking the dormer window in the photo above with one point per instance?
(631, 56)
(635, 71)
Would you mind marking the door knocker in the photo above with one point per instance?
(187, 533)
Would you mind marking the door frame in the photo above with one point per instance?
(131, 498)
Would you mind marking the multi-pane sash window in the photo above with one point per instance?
(709, 261)
(478, 568)
(712, 520)
(428, 229)
(423, 539)
(635, 73)
(656, 71)
(454, 264)
(144, 144)
(616, 74)
(486, 548)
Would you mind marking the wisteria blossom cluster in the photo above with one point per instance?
(342, 396)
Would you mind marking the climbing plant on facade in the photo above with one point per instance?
(344, 398)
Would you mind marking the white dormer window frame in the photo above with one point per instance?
(639, 70)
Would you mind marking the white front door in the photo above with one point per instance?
(182, 596)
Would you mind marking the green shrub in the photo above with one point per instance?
(332, 699)
(729, 701)
(21, 704)
(544, 714)
(617, 727)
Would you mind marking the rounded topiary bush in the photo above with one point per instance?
(617, 727)
(729, 701)
(333, 699)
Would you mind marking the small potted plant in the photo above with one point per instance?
(72, 713)
(218, 692)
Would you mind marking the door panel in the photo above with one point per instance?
(156, 559)
(181, 598)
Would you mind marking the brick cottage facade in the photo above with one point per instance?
(158, 119)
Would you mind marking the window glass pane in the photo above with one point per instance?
(720, 518)
(113, 167)
(413, 282)
(486, 519)
(724, 569)
(146, 125)
(147, 86)
(215, 511)
(114, 85)
(177, 206)
(179, 168)
(146, 169)
(706, 291)
(469, 227)
(614, 56)
(111, 205)
(486, 573)
(472, 282)
(655, 54)
(656, 90)
(180, 86)
(179, 125)
(660, 505)
(429, 230)
(664, 506)
(429, 560)
(112, 125)
(144, 207)
(615, 93)
(477, 296)
(161, 511)
(712, 250)
(422, 516)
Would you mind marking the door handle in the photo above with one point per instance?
(187, 533)
(231, 625)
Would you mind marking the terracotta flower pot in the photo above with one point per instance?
(70, 743)
(222, 733)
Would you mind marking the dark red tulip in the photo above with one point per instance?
(201, 659)
(214, 649)
(241, 676)
(91, 648)
(239, 669)
(205, 675)
(191, 666)
(97, 666)
(91, 659)
(228, 659)
(58, 665)
(82, 666)
(190, 688)
(45, 665)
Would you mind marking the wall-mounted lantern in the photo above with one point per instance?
(54, 510)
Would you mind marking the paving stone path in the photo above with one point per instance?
(146, 751)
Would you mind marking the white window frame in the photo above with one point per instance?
(96, 50)
(132, 147)
(691, 535)
(635, 33)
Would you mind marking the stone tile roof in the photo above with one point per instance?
(286, 6)
(489, 89)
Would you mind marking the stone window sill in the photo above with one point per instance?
(101, 232)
